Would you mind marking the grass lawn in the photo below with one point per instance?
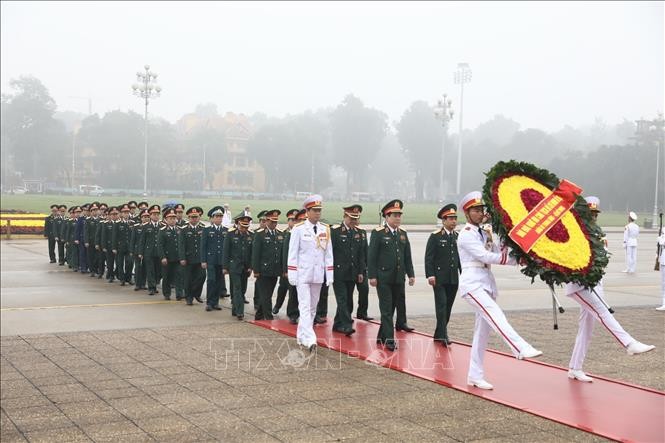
(414, 213)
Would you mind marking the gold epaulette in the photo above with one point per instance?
(146, 223)
(163, 227)
(438, 231)
(298, 224)
(335, 226)
(379, 228)
(232, 229)
(401, 229)
(259, 230)
(324, 224)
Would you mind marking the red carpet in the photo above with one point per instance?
(610, 408)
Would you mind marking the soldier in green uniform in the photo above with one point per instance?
(56, 226)
(283, 287)
(135, 245)
(349, 261)
(237, 261)
(261, 216)
(147, 249)
(106, 243)
(73, 260)
(89, 233)
(267, 262)
(168, 252)
(442, 269)
(388, 261)
(190, 255)
(48, 232)
(120, 245)
(362, 285)
(133, 211)
(180, 272)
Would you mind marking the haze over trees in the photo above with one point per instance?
(349, 148)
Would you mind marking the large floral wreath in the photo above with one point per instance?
(572, 249)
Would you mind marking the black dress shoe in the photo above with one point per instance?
(404, 328)
(319, 321)
(52, 261)
(217, 308)
(208, 308)
(93, 275)
(346, 332)
(100, 276)
(178, 298)
(448, 342)
(391, 346)
(189, 303)
(293, 320)
(137, 289)
(61, 264)
(312, 348)
(167, 297)
(156, 291)
(275, 311)
(364, 317)
(151, 292)
(246, 302)
(240, 317)
(198, 299)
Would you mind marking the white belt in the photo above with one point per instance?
(473, 264)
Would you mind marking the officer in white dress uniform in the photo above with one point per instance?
(310, 259)
(630, 234)
(592, 309)
(661, 260)
(477, 286)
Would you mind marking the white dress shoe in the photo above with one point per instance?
(480, 384)
(660, 308)
(638, 348)
(529, 353)
(578, 374)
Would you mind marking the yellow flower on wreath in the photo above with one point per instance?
(575, 254)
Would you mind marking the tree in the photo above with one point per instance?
(421, 137)
(356, 134)
(37, 141)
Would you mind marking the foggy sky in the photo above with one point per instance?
(543, 64)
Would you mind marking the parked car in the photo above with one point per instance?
(93, 190)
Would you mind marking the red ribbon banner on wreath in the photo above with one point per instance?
(545, 215)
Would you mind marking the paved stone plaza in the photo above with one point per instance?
(85, 360)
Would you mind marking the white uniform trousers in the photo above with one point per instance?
(308, 298)
(489, 316)
(631, 258)
(592, 310)
(662, 282)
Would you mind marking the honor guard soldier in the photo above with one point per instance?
(106, 242)
(283, 287)
(56, 226)
(99, 247)
(442, 269)
(190, 255)
(148, 249)
(349, 253)
(135, 248)
(120, 246)
(477, 251)
(49, 232)
(212, 244)
(310, 263)
(169, 253)
(388, 262)
(267, 262)
(237, 261)
(592, 309)
(630, 234)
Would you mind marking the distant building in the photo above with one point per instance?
(234, 170)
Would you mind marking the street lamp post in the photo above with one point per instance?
(444, 112)
(146, 88)
(462, 76)
(657, 130)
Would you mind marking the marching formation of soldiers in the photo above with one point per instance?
(143, 245)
